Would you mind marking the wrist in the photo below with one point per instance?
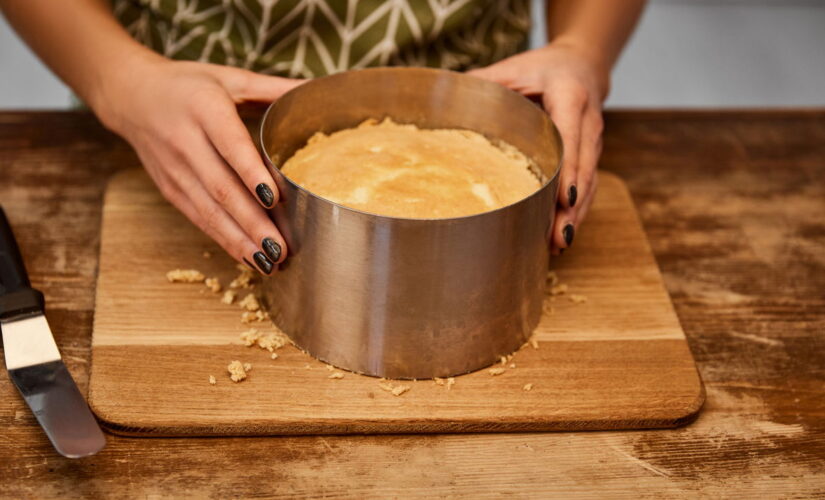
(115, 80)
(592, 56)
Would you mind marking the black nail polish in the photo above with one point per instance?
(264, 264)
(265, 195)
(568, 232)
(272, 249)
(572, 195)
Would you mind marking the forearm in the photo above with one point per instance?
(80, 40)
(599, 28)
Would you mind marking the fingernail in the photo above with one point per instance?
(264, 264)
(572, 195)
(272, 249)
(568, 232)
(265, 195)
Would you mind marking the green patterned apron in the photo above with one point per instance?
(309, 38)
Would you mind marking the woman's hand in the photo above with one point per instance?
(181, 118)
(572, 85)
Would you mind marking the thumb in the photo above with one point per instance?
(245, 85)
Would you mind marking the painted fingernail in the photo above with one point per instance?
(568, 232)
(272, 249)
(572, 195)
(264, 264)
(265, 195)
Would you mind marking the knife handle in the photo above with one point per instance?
(17, 297)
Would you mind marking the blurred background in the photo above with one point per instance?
(685, 53)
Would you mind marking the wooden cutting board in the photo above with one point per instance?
(617, 361)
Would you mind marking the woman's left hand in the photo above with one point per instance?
(572, 85)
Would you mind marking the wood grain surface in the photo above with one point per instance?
(734, 207)
(617, 361)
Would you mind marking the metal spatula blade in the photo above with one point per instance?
(50, 391)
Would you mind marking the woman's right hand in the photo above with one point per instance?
(181, 118)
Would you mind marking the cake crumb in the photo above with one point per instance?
(450, 383)
(496, 371)
(244, 280)
(330, 367)
(439, 381)
(548, 309)
(336, 375)
(207, 255)
(269, 341)
(253, 317)
(247, 367)
(396, 390)
(552, 278)
(250, 303)
(274, 355)
(527, 387)
(236, 371)
(558, 289)
(578, 299)
(185, 276)
(534, 342)
(400, 389)
(212, 380)
(512, 365)
(229, 296)
(307, 367)
(213, 284)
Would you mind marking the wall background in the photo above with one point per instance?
(685, 53)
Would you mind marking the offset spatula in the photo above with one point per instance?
(34, 362)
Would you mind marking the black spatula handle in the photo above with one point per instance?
(17, 297)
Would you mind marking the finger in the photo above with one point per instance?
(590, 148)
(587, 201)
(564, 230)
(230, 138)
(245, 85)
(225, 188)
(184, 191)
(566, 107)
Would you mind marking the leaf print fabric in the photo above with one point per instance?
(309, 38)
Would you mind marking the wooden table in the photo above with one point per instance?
(734, 206)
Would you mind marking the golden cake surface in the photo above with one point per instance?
(402, 171)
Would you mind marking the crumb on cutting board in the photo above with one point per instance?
(229, 296)
(207, 254)
(237, 370)
(560, 289)
(274, 355)
(244, 280)
(400, 389)
(496, 371)
(265, 340)
(212, 380)
(527, 387)
(578, 299)
(213, 284)
(253, 317)
(336, 375)
(395, 390)
(250, 303)
(185, 276)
